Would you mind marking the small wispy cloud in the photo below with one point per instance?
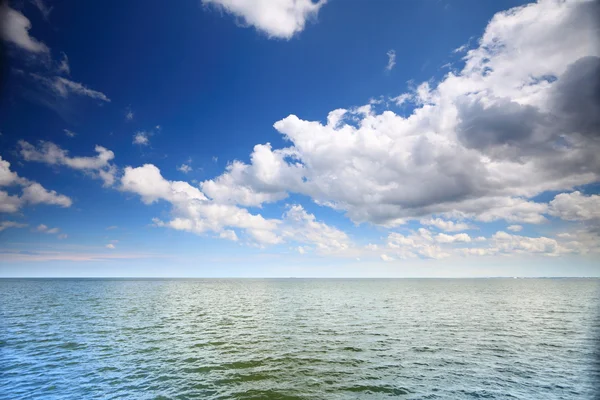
(43, 7)
(11, 224)
(129, 114)
(70, 133)
(141, 138)
(391, 60)
(45, 229)
(63, 66)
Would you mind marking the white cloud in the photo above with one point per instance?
(479, 145)
(8, 203)
(70, 133)
(229, 235)
(458, 238)
(62, 236)
(418, 243)
(14, 28)
(110, 246)
(448, 226)
(385, 257)
(194, 212)
(129, 114)
(32, 192)
(391, 60)
(141, 138)
(35, 193)
(575, 206)
(43, 7)
(49, 153)
(276, 18)
(64, 87)
(45, 229)
(63, 66)
(515, 228)
(185, 168)
(10, 224)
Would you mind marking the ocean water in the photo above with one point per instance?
(299, 339)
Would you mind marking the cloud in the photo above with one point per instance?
(257, 183)
(110, 246)
(35, 193)
(43, 7)
(575, 206)
(419, 243)
(32, 192)
(193, 212)
(391, 60)
(99, 166)
(51, 231)
(141, 138)
(10, 224)
(43, 256)
(385, 257)
(479, 145)
(64, 87)
(185, 168)
(63, 66)
(458, 238)
(276, 18)
(448, 226)
(14, 28)
(129, 114)
(62, 236)
(69, 133)
(515, 228)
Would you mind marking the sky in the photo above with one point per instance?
(299, 138)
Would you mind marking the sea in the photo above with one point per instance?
(299, 338)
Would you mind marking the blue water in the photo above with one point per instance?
(299, 339)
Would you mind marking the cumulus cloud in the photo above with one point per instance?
(575, 206)
(445, 225)
(110, 246)
(32, 192)
(14, 28)
(35, 193)
(458, 238)
(276, 18)
(480, 144)
(419, 243)
(391, 60)
(99, 166)
(192, 211)
(515, 228)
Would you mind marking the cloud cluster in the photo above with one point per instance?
(31, 192)
(193, 212)
(277, 18)
(99, 166)
(480, 144)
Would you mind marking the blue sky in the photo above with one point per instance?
(298, 138)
